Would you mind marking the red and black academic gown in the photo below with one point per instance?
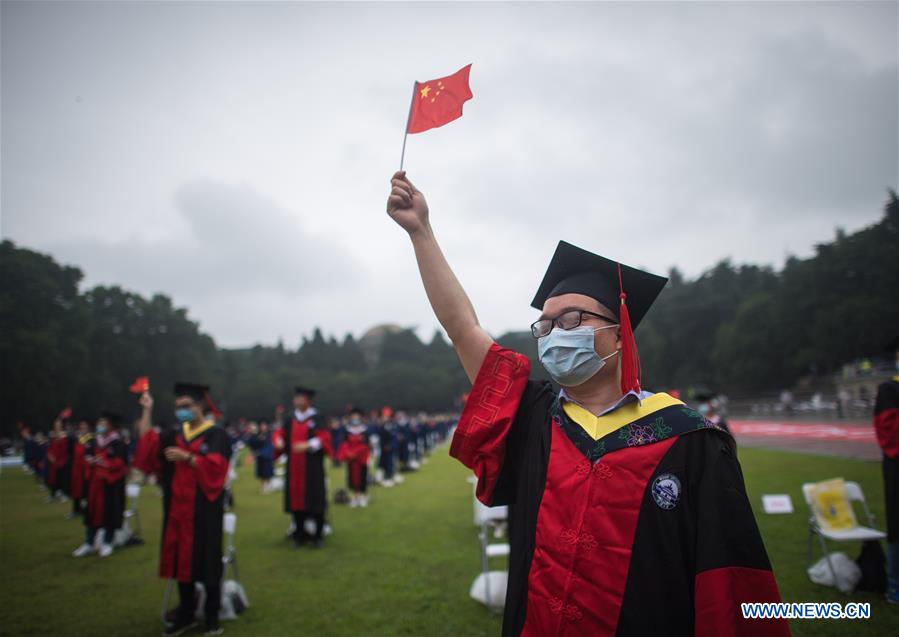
(106, 490)
(193, 501)
(646, 531)
(304, 484)
(886, 426)
(80, 467)
(58, 455)
(356, 452)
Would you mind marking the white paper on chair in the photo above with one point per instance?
(777, 503)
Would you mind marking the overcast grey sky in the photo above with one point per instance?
(236, 156)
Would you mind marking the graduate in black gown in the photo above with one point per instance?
(628, 513)
(192, 462)
(107, 458)
(306, 440)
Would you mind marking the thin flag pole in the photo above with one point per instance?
(408, 117)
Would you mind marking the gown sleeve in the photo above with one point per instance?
(212, 465)
(886, 418)
(486, 440)
(732, 566)
(146, 456)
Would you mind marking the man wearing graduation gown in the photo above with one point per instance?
(107, 458)
(306, 441)
(886, 426)
(80, 475)
(58, 460)
(628, 513)
(191, 461)
(356, 452)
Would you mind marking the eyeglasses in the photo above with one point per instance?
(567, 321)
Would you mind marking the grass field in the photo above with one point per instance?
(403, 566)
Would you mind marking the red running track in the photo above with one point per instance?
(847, 439)
(814, 430)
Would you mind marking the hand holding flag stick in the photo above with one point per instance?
(435, 103)
(406, 205)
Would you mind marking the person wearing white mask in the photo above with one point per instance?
(107, 457)
(628, 513)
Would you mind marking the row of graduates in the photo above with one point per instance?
(303, 441)
(191, 462)
(89, 465)
(378, 447)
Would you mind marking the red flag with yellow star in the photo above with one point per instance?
(438, 102)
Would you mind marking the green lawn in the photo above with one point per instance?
(401, 567)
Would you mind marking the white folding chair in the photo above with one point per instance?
(857, 533)
(132, 514)
(485, 518)
(229, 561)
(229, 555)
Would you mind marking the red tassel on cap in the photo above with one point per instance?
(215, 410)
(630, 359)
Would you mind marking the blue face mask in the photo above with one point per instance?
(570, 356)
(184, 415)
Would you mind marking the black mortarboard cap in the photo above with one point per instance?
(196, 391)
(573, 270)
(299, 390)
(115, 419)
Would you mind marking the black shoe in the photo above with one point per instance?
(316, 544)
(214, 629)
(180, 627)
(297, 544)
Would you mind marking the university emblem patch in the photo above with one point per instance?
(666, 490)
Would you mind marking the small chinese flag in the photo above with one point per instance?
(438, 102)
(65, 413)
(140, 385)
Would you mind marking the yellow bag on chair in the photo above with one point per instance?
(830, 501)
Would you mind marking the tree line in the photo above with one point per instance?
(735, 328)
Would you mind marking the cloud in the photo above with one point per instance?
(235, 242)
(657, 133)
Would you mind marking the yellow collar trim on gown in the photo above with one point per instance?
(599, 426)
(190, 434)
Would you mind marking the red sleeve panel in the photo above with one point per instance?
(886, 418)
(719, 593)
(480, 439)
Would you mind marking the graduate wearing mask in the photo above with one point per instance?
(628, 513)
(191, 461)
(356, 452)
(306, 441)
(107, 458)
(80, 476)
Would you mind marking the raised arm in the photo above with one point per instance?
(407, 206)
(146, 415)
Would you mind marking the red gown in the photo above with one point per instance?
(58, 456)
(106, 493)
(80, 468)
(356, 453)
(646, 531)
(193, 501)
(304, 484)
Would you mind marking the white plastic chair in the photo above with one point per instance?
(229, 559)
(486, 517)
(132, 515)
(229, 555)
(857, 533)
